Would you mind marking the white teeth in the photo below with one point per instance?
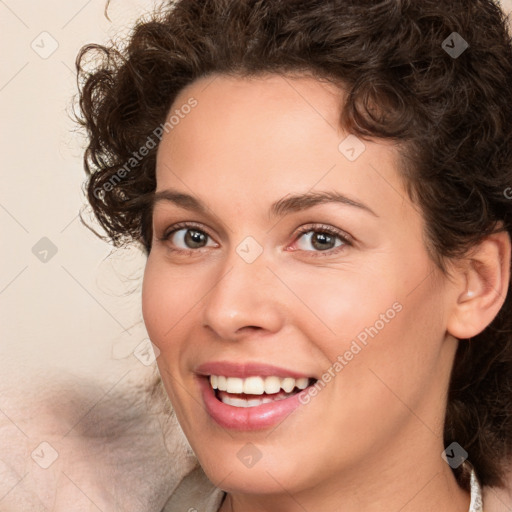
(272, 385)
(257, 385)
(254, 386)
(288, 384)
(235, 385)
(302, 383)
(237, 402)
(221, 382)
(242, 402)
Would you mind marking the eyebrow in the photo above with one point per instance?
(282, 207)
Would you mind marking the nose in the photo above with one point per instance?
(245, 298)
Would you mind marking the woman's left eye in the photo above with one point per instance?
(322, 239)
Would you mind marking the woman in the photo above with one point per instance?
(323, 193)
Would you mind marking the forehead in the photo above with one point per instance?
(256, 110)
(247, 138)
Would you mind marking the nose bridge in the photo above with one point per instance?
(244, 294)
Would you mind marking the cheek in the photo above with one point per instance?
(166, 300)
(380, 319)
(339, 303)
(393, 355)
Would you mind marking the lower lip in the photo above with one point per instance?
(246, 418)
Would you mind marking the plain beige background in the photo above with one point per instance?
(73, 355)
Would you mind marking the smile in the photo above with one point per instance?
(250, 395)
(255, 391)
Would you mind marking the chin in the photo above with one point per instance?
(233, 477)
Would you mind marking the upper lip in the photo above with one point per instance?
(248, 369)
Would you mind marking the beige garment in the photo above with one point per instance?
(196, 493)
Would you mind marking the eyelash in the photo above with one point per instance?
(318, 228)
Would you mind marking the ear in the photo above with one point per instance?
(481, 285)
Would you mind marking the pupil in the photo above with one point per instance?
(323, 238)
(194, 237)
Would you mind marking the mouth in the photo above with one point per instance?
(248, 403)
(256, 390)
(251, 395)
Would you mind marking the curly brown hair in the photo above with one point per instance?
(433, 75)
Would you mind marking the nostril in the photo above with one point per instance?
(250, 327)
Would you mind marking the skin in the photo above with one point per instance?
(373, 437)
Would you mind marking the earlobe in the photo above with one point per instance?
(482, 286)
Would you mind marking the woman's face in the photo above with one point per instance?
(301, 258)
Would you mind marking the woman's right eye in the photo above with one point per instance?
(186, 237)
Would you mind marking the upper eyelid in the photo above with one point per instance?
(185, 225)
(319, 228)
